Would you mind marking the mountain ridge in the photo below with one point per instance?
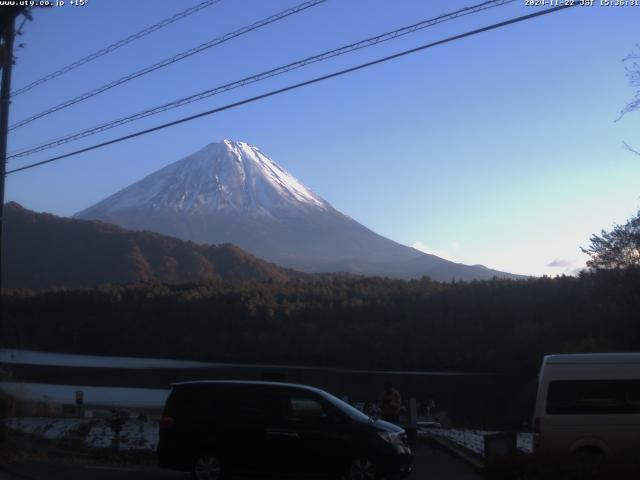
(231, 192)
(42, 250)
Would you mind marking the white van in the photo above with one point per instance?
(588, 404)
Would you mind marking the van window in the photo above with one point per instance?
(593, 397)
(195, 402)
(248, 408)
(344, 408)
(223, 403)
(256, 407)
(305, 408)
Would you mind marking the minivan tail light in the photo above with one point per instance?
(166, 421)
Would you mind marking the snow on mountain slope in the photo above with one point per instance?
(232, 176)
(231, 192)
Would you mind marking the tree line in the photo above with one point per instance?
(493, 326)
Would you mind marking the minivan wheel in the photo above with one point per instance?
(589, 459)
(362, 468)
(207, 467)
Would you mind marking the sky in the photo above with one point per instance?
(500, 149)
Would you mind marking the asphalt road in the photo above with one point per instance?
(431, 463)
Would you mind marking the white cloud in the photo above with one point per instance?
(571, 266)
(560, 263)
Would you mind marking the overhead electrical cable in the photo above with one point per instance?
(297, 85)
(259, 77)
(114, 46)
(168, 61)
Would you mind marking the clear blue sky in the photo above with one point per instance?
(498, 149)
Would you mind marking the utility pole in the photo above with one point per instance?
(8, 36)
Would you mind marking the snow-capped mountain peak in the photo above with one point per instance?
(226, 175)
(231, 192)
(285, 183)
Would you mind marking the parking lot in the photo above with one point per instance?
(431, 463)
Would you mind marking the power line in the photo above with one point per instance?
(259, 77)
(115, 46)
(297, 85)
(168, 61)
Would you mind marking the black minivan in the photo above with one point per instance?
(217, 429)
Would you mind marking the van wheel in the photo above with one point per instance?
(207, 466)
(589, 459)
(362, 468)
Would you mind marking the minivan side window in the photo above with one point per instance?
(305, 408)
(194, 403)
(249, 408)
(593, 397)
(207, 403)
(256, 406)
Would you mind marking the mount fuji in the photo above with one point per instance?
(231, 192)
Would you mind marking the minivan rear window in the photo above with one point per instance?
(593, 397)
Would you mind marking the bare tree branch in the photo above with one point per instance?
(633, 74)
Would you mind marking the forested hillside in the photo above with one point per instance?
(495, 326)
(42, 251)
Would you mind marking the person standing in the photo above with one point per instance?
(390, 402)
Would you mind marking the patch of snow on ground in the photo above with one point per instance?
(473, 440)
(45, 427)
(140, 436)
(100, 436)
(135, 434)
(525, 442)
